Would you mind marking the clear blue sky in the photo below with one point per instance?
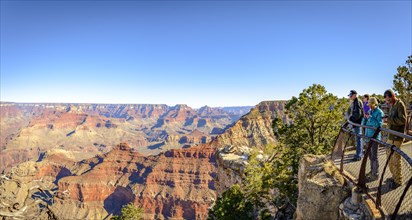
(219, 53)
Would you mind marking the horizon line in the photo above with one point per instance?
(106, 103)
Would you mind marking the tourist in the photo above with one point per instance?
(396, 121)
(356, 116)
(374, 118)
(365, 104)
(365, 112)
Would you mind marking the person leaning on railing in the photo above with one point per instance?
(373, 119)
(396, 121)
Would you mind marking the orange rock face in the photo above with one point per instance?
(177, 183)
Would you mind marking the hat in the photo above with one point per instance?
(389, 93)
(352, 92)
(373, 102)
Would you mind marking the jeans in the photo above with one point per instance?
(373, 156)
(359, 146)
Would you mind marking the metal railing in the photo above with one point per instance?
(392, 202)
(409, 124)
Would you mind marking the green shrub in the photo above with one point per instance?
(129, 212)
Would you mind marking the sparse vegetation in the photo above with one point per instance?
(129, 212)
(232, 205)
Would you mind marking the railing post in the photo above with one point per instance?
(395, 213)
(343, 153)
(336, 142)
(361, 178)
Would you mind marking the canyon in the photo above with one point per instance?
(28, 130)
(178, 183)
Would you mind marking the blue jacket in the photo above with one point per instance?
(374, 120)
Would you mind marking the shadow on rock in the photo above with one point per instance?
(114, 202)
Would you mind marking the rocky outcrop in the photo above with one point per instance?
(231, 162)
(195, 137)
(321, 189)
(251, 131)
(29, 184)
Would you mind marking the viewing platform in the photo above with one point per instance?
(392, 203)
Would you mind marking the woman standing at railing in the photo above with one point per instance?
(373, 119)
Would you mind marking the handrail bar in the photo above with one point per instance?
(400, 152)
(399, 134)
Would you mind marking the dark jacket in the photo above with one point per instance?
(397, 119)
(356, 114)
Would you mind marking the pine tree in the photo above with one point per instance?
(130, 212)
(402, 82)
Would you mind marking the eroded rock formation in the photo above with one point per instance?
(178, 183)
(30, 129)
(252, 131)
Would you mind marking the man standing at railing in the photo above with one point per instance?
(356, 116)
(396, 121)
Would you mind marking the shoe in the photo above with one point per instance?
(357, 158)
(392, 183)
(371, 177)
